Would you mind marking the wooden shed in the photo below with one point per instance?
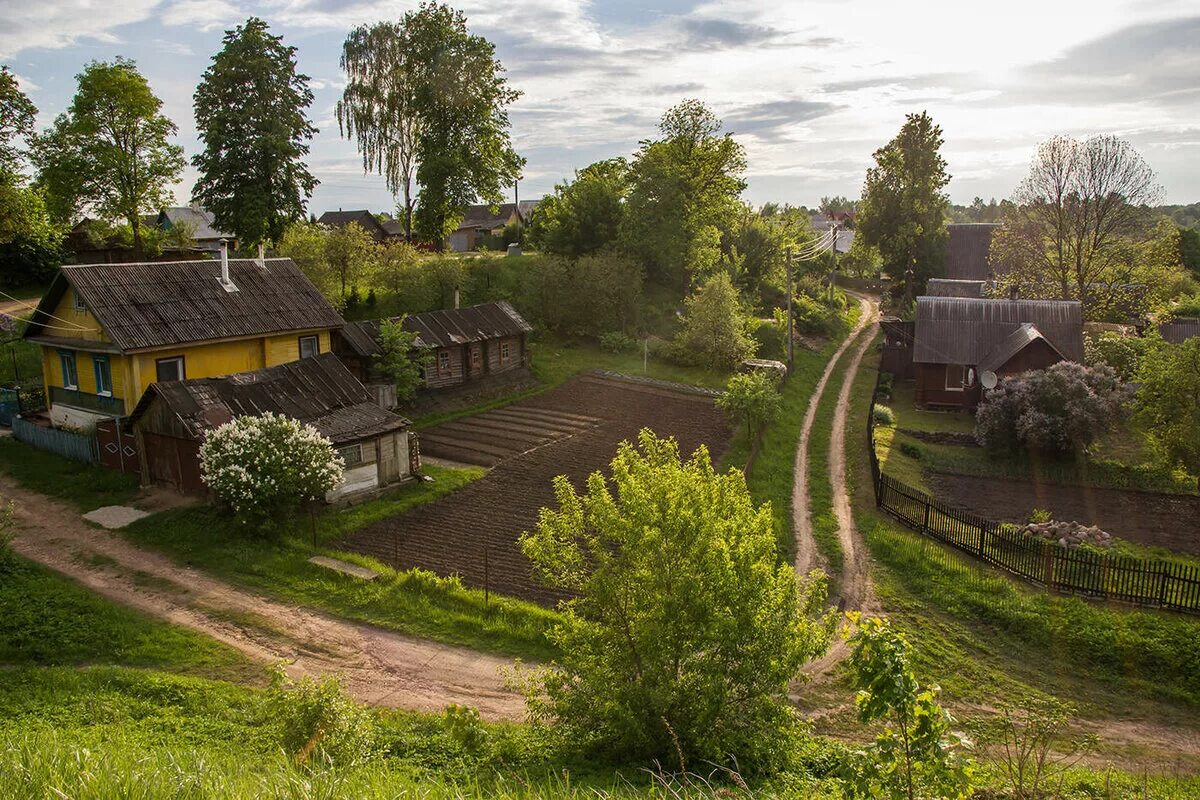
(957, 340)
(172, 418)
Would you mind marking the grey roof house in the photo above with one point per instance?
(200, 221)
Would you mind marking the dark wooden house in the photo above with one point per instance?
(465, 345)
(950, 287)
(170, 421)
(958, 341)
(362, 217)
(968, 247)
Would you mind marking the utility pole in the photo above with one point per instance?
(833, 250)
(789, 308)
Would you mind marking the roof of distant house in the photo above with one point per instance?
(150, 305)
(1180, 329)
(200, 220)
(393, 227)
(946, 287)
(961, 330)
(446, 328)
(339, 219)
(482, 216)
(318, 391)
(967, 250)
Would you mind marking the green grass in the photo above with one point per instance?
(413, 602)
(87, 487)
(20, 362)
(911, 418)
(986, 637)
(48, 620)
(555, 360)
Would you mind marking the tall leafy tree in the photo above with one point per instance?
(583, 215)
(379, 107)
(17, 113)
(1168, 402)
(110, 151)
(460, 101)
(250, 115)
(903, 208)
(685, 187)
(683, 631)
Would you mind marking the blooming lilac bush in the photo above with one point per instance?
(263, 467)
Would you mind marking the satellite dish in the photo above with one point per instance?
(988, 379)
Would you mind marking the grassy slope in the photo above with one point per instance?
(86, 487)
(411, 602)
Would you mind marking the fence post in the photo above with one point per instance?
(1048, 564)
(1162, 585)
(925, 525)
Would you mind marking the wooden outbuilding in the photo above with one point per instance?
(959, 342)
(172, 418)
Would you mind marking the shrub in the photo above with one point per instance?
(320, 725)
(1040, 515)
(714, 329)
(1058, 410)
(585, 296)
(617, 342)
(752, 399)
(1168, 403)
(1123, 353)
(883, 415)
(911, 450)
(263, 467)
(771, 336)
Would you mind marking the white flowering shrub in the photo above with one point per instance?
(263, 467)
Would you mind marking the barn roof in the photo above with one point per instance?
(959, 330)
(154, 305)
(967, 249)
(319, 391)
(482, 216)
(445, 328)
(1180, 329)
(949, 287)
(201, 221)
(1014, 343)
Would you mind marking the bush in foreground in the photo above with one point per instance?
(684, 631)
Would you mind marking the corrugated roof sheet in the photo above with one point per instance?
(319, 391)
(451, 326)
(482, 216)
(176, 302)
(1014, 343)
(959, 330)
(967, 249)
(1180, 329)
(948, 287)
(201, 221)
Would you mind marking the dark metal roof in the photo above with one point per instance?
(967, 249)
(319, 391)
(959, 330)
(363, 217)
(1014, 343)
(446, 328)
(1180, 329)
(201, 221)
(362, 336)
(482, 216)
(948, 287)
(153, 305)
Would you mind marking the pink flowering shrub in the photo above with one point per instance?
(263, 467)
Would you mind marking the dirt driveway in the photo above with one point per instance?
(377, 666)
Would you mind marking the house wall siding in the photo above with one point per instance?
(1036, 355)
(931, 389)
(436, 378)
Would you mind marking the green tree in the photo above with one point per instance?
(917, 755)
(903, 208)
(1168, 402)
(17, 114)
(683, 631)
(399, 360)
(461, 100)
(110, 151)
(379, 106)
(250, 117)
(714, 331)
(752, 399)
(1189, 249)
(583, 215)
(587, 296)
(335, 259)
(685, 187)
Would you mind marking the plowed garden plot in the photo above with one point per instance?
(473, 532)
(490, 437)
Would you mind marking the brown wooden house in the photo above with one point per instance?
(958, 341)
(465, 345)
(968, 251)
(172, 418)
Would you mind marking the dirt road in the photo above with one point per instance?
(377, 666)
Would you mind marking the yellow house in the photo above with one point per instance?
(108, 331)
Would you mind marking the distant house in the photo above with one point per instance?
(967, 251)
(946, 287)
(481, 221)
(108, 331)
(367, 220)
(172, 418)
(1180, 329)
(959, 341)
(465, 345)
(200, 221)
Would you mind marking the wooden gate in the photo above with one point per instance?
(118, 447)
(174, 462)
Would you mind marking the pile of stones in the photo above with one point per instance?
(1068, 534)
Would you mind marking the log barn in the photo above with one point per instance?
(172, 418)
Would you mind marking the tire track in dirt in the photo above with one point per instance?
(377, 666)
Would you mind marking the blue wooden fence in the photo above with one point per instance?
(76, 446)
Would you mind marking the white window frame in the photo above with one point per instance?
(476, 356)
(505, 352)
(66, 357)
(176, 359)
(77, 301)
(351, 462)
(97, 361)
(962, 372)
(443, 354)
(316, 344)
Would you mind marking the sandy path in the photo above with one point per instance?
(807, 557)
(377, 666)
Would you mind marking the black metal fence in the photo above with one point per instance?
(1149, 582)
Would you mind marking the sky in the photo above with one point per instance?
(810, 89)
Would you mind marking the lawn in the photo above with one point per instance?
(85, 486)
(408, 601)
(20, 362)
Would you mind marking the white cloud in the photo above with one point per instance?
(203, 15)
(29, 23)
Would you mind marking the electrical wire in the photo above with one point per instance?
(75, 325)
